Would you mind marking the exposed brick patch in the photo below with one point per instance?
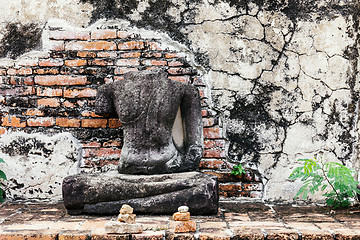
(107, 54)
(97, 46)
(230, 190)
(91, 144)
(68, 104)
(149, 62)
(93, 123)
(75, 63)
(79, 93)
(122, 70)
(17, 91)
(86, 54)
(34, 112)
(131, 45)
(89, 114)
(102, 152)
(51, 71)
(25, 71)
(2, 130)
(114, 123)
(130, 55)
(66, 122)
(175, 64)
(127, 62)
(214, 153)
(102, 62)
(104, 34)
(41, 122)
(112, 144)
(123, 34)
(212, 133)
(61, 80)
(48, 102)
(183, 79)
(49, 92)
(12, 71)
(51, 62)
(12, 121)
(214, 164)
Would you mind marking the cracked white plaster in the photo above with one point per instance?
(300, 138)
(234, 46)
(249, 58)
(253, 9)
(330, 36)
(339, 72)
(285, 73)
(339, 100)
(302, 41)
(36, 169)
(220, 80)
(315, 65)
(311, 87)
(176, 11)
(275, 38)
(270, 137)
(27, 11)
(142, 6)
(282, 106)
(248, 27)
(278, 186)
(223, 100)
(214, 11)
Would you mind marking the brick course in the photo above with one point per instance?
(58, 92)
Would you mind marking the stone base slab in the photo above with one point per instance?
(105, 193)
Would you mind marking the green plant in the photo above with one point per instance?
(2, 178)
(238, 170)
(319, 175)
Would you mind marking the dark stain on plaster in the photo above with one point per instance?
(25, 146)
(111, 8)
(155, 16)
(251, 112)
(19, 38)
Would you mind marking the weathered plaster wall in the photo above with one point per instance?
(36, 164)
(282, 76)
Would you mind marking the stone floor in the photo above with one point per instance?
(235, 220)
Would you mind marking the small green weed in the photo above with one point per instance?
(319, 175)
(238, 170)
(2, 178)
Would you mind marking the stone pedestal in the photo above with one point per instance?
(105, 193)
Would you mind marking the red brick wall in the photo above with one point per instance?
(56, 94)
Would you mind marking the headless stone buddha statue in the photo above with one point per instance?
(147, 103)
(154, 174)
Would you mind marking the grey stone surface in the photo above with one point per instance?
(105, 193)
(146, 103)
